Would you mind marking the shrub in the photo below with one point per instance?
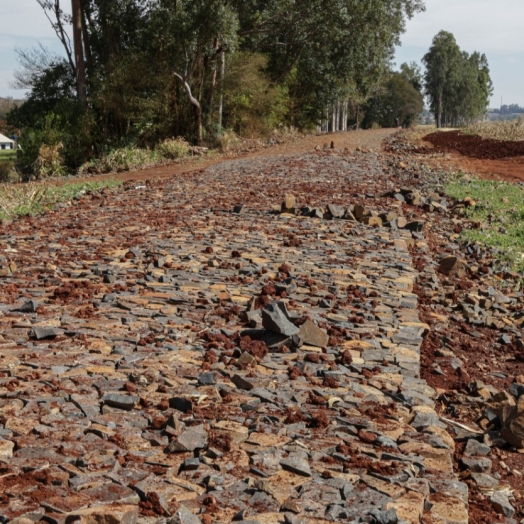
(49, 162)
(228, 140)
(122, 159)
(8, 172)
(173, 148)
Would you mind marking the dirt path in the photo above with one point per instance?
(351, 140)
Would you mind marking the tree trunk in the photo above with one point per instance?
(197, 107)
(79, 53)
(212, 99)
(86, 40)
(439, 110)
(221, 81)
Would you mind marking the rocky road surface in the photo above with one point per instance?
(240, 343)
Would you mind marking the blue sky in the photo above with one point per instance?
(493, 27)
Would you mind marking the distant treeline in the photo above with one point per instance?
(510, 109)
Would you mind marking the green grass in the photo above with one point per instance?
(499, 213)
(33, 198)
(7, 155)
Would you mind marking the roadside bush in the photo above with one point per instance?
(228, 140)
(8, 172)
(122, 159)
(49, 162)
(173, 148)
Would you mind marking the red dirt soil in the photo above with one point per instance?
(474, 146)
(490, 159)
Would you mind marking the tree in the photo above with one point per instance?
(457, 84)
(442, 67)
(413, 74)
(147, 70)
(397, 102)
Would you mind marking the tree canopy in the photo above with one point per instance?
(398, 101)
(145, 70)
(457, 84)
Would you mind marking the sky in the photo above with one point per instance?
(22, 25)
(493, 27)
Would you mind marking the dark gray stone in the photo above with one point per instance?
(474, 447)
(191, 439)
(116, 400)
(41, 333)
(242, 382)
(482, 465)
(298, 463)
(207, 379)
(181, 404)
(184, 516)
(274, 318)
(191, 464)
(384, 517)
(501, 504)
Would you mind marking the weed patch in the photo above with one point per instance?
(127, 159)
(497, 218)
(34, 198)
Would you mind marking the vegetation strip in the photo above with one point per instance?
(497, 215)
(33, 198)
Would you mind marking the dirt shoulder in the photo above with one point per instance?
(351, 140)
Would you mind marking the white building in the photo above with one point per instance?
(6, 143)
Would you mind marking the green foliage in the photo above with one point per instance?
(34, 141)
(499, 215)
(7, 167)
(398, 102)
(458, 84)
(253, 106)
(154, 71)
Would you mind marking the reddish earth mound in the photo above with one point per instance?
(474, 146)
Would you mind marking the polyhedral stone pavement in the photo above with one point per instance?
(136, 382)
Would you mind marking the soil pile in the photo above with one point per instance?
(474, 146)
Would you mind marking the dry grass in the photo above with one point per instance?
(49, 162)
(20, 199)
(228, 141)
(511, 130)
(174, 148)
(33, 198)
